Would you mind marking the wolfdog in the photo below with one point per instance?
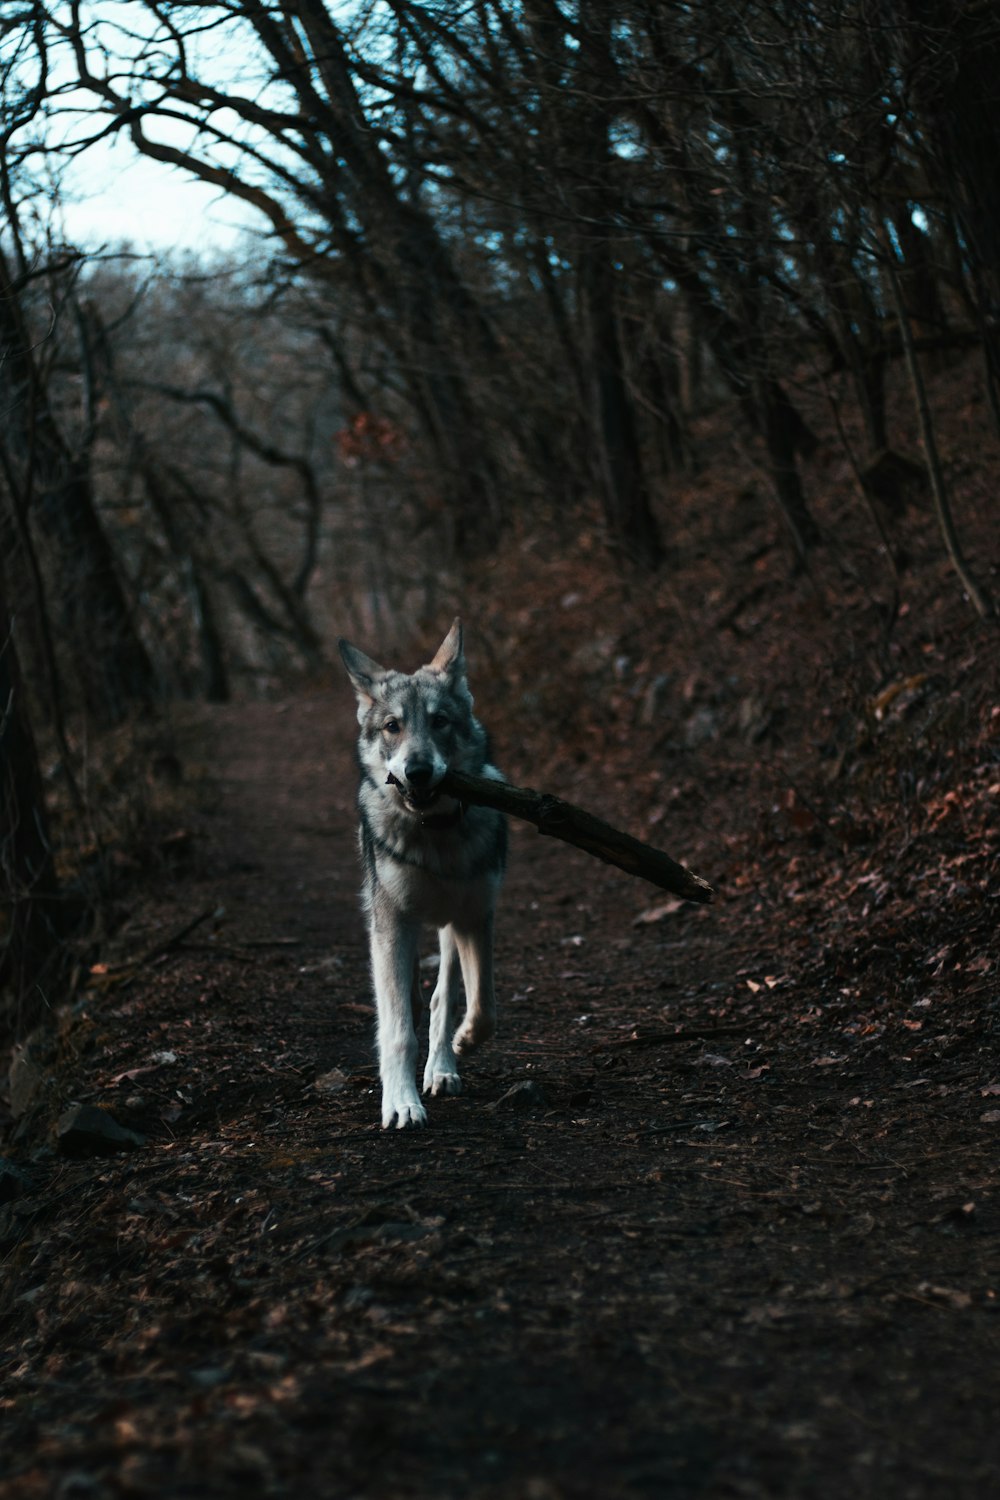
(427, 858)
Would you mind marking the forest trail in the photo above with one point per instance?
(714, 1254)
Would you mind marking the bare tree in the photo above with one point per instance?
(507, 211)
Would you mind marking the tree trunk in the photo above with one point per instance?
(624, 494)
(784, 434)
(434, 320)
(980, 601)
(618, 451)
(30, 911)
(101, 357)
(96, 626)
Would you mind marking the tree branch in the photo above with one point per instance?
(551, 815)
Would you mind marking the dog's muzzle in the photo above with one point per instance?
(416, 796)
(421, 801)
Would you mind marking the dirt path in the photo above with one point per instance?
(739, 1263)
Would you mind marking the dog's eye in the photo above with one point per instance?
(440, 721)
(391, 726)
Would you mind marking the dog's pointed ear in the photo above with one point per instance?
(450, 658)
(363, 672)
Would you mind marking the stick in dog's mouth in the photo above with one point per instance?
(419, 802)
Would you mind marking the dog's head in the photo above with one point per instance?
(413, 726)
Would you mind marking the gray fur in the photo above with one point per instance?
(425, 859)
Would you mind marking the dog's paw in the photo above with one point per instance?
(438, 1082)
(473, 1032)
(403, 1113)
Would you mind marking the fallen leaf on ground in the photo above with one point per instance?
(658, 913)
(951, 1296)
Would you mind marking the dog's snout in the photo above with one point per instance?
(419, 774)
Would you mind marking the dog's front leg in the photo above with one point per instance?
(394, 950)
(475, 949)
(441, 1072)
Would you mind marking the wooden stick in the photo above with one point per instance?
(551, 815)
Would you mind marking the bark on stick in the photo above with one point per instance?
(551, 815)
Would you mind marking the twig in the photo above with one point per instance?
(126, 972)
(172, 939)
(164, 945)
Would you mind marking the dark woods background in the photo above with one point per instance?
(510, 255)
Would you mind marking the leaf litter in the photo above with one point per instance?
(719, 1203)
